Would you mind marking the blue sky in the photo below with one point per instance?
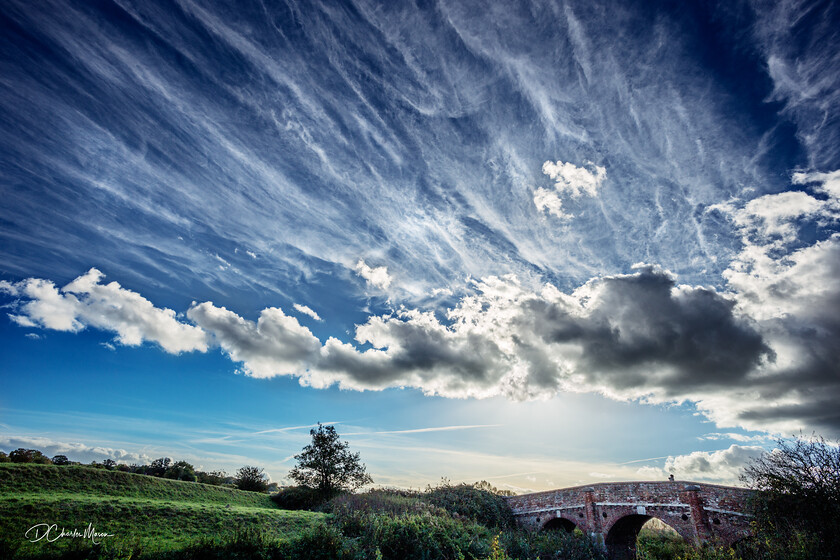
(541, 245)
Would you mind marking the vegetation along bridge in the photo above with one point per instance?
(613, 513)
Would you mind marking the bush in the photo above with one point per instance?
(479, 504)
(181, 470)
(427, 536)
(394, 502)
(652, 545)
(299, 497)
(797, 505)
(215, 478)
(549, 545)
(21, 455)
(322, 542)
(251, 478)
(60, 460)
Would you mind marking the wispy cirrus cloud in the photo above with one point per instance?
(426, 430)
(740, 355)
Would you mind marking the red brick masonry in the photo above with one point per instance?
(613, 512)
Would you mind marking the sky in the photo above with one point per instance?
(540, 244)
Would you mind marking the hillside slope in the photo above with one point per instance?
(154, 513)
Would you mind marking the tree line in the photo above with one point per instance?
(796, 507)
(246, 478)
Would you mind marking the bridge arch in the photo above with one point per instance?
(622, 534)
(559, 524)
(612, 513)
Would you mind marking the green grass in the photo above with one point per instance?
(152, 513)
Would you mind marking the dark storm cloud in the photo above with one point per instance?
(645, 321)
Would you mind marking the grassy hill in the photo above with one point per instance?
(140, 511)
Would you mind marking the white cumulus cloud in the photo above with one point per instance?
(75, 451)
(377, 277)
(86, 301)
(760, 355)
(724, 465)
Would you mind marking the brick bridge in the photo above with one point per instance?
(612, 513)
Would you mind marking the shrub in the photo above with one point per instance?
(181, 470)
(60, 460)
(549, 545)
(478, 504)
(251, 478)
(394, 502)
(797, 505)
(426, 536)
(652, 545)
(299, 497)
(216, 478)
(21, 455)
(322, 542)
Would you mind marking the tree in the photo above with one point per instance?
(215, 478)
(328, 465)
(251, 478)
(158, 466)
(60, 460)
(799, 492)
(180, 470)
(21, 455)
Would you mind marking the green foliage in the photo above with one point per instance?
(60, 460)
(252, 479)
(798, 503)
(328, 465)
(160, 519)
(322, 542)
(658, 546)
(215, 478)
(299, 497)
(158, 466)
(549, 545)
(473, 502)
(391, 501)
(145, 514)
(21, 455)
(81, 479)
(4, 458)
(181, 470)
(427, 536)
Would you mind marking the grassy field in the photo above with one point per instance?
(154, 513)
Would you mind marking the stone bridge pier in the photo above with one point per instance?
(613, 513)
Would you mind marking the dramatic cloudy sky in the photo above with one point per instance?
(540, 243)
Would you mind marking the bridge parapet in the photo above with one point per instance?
(613, 512)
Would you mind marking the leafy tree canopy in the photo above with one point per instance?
(251, 478)
(21, 455)
(60, 460)
(328, 465)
